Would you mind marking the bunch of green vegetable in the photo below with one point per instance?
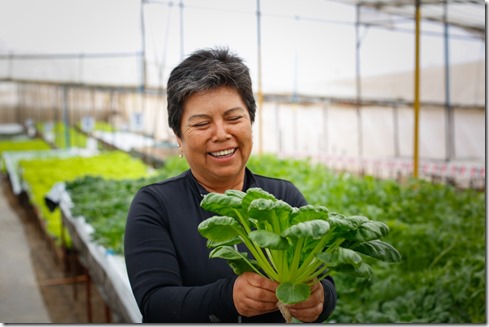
(292, 246)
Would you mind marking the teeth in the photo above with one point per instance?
(222, 153)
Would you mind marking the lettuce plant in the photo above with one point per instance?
(295, 247)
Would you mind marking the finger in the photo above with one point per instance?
(262, 282)
(308, 314)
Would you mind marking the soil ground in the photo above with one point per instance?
(64, 290)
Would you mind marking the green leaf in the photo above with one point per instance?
(213, 244)
(270, 211)
(241, 266)
(221, 204)
(368, 231)
(379, 250)
(340, 256)
(340, 223)
(228, 253)
(235, 193)
(363, 270)
(309, 212)
(220, 228)
(238, 261)
(314, 229)
(290, 293)
(268, 240)
(356, 221)
(253, 194)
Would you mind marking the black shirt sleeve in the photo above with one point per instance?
(157, 252)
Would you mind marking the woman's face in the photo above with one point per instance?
(216, 137)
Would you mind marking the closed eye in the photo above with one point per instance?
(235, 118)
(201, 124)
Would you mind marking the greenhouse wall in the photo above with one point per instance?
(314, 129)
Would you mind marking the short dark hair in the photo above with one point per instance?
(205, 70)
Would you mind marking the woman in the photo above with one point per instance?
(211, 109)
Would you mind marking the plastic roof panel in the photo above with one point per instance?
(468, 15)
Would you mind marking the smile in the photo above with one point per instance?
(223, 153)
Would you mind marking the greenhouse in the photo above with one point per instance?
(374, 110)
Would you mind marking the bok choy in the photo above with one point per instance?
(295, 247)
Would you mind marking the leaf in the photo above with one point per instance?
(235, 193)
(356, 221)
(368, 231)
(309, 212)
(270, 211)
(220, 228)
(268, 240)
(340, 223)
(290, 293)
(241, 266)
(238, 261)
(340, 256)
(363, 270)
(221, 204)
(314, 229)
(228, 253)
(213, 244)
(253, 194)
(379, 250)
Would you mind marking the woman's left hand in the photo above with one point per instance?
(310, 309)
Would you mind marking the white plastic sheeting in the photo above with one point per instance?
(303, 44)
(108, 271)
(386, 132)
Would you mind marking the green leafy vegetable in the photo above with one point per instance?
(295, 247)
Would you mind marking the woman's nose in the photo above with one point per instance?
(220, 132)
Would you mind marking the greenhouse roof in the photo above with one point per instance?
(466, 14)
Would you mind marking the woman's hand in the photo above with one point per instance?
(310, 309)
(254, 295)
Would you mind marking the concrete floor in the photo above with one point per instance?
(20, 297)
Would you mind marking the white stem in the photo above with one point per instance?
(285, 312)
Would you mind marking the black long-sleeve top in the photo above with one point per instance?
(167, 260)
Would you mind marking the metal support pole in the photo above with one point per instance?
(358, 83)
(143, 49)
(182, 48)
(260, 94)
(450, 144)
(66, 119)
(395, 116)
(416, 92)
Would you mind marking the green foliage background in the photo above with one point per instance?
(440, 232)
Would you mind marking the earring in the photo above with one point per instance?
(180, 154)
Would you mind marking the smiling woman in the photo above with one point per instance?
(216, 138)
(211, 109)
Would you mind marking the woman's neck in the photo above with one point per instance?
(223, 187)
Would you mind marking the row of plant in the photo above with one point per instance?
(21, 144)
(71, 136)
(439, 231)
(41, 174)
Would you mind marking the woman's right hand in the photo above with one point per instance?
(254, 294)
